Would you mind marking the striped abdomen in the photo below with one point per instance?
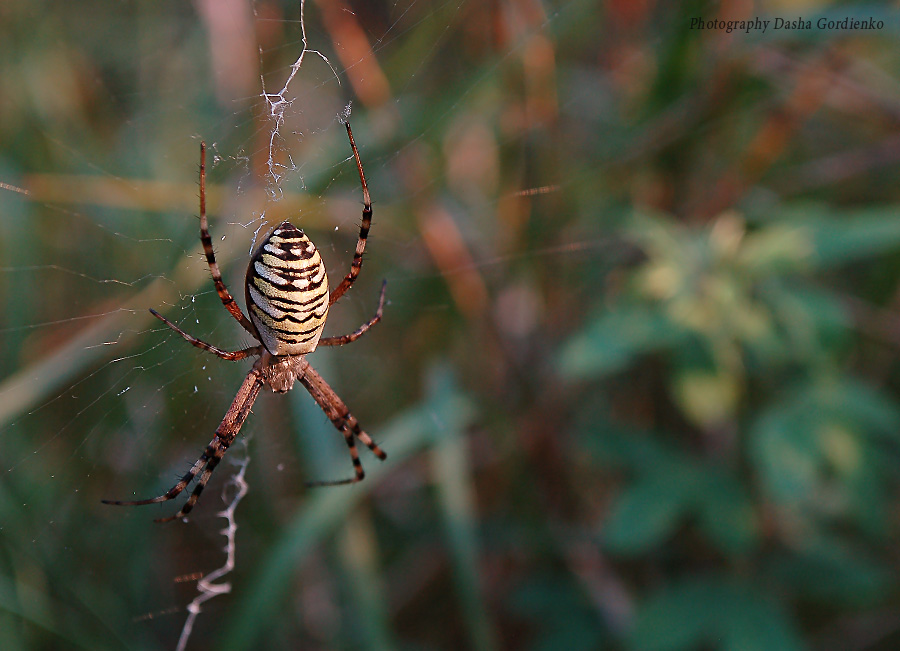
(287, 292)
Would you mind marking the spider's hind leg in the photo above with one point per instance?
(343, 420)
(357, 466)
(207, 462)
(225, 434)
(212, 462)
(176, 490)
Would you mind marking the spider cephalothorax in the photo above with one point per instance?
(288, 300)
(280, 373)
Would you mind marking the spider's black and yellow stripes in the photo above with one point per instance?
(287, 292)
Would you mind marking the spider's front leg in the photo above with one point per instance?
(347, 339)
(225, 435)
(231, 356)
(365, 224)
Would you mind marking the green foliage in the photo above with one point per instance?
(727, 614)
(614, 339)
(789, 475)
(564, 616)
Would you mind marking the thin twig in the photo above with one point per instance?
(207, 586)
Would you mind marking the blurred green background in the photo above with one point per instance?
(638, 374)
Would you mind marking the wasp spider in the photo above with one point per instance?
(287, 300)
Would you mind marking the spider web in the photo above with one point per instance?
(94, 383)
(277, 104)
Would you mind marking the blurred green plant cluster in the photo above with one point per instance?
(772, 482)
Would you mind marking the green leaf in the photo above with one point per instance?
(754, 622)
(676, 617)
(863, 404)
(612, 340)
(775, 249)
(856, 236)
(614, 445)
(782, 446)
(831, 570)
(814, 321)
(726, 514)
(715, 612)
(559, 612)
(647, 512)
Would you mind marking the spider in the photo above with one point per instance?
(287, 300)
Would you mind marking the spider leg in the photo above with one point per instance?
(206, 240)
(343, 420)
(357, 466)
(346, 339)
(232, 356)
(356, 265)
(176, 490)
(212, 462)
(224, 437)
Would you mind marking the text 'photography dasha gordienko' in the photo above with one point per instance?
(763, 24)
